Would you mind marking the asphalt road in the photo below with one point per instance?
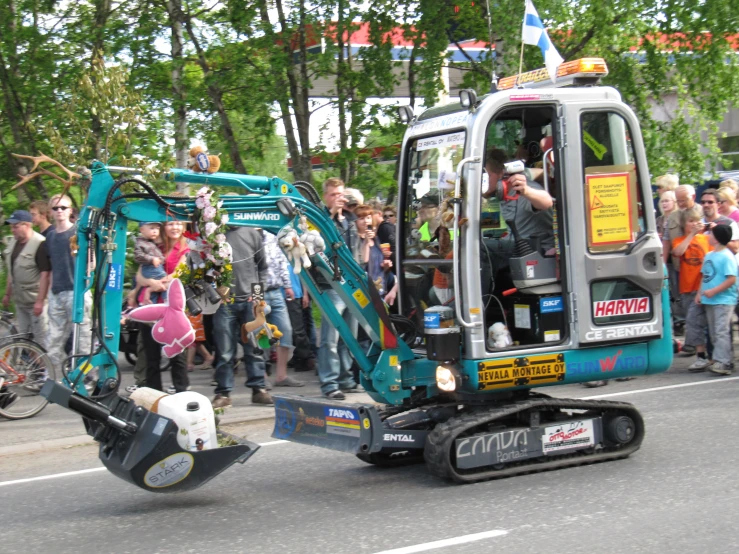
(678, 493)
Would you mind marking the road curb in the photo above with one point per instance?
(85, 440)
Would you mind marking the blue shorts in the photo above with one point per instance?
(279, 315)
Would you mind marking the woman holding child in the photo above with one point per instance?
(175, 249)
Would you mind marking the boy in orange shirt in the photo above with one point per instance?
(692, 249)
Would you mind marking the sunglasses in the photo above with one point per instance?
(387, 216)
(60, 208)
(707, 202)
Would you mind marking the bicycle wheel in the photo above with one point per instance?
(24, 366)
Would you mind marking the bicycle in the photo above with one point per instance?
(24, 367)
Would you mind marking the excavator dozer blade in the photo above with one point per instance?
(355, 428)
(141, 447)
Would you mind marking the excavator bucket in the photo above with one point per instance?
(355, 428)
(141, 447)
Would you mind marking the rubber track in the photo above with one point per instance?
(440, 442)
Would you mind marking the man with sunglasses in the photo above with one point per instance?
(62, 284)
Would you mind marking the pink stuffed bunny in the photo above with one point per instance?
(171, 326)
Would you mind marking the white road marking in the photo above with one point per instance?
(399, 551)
(54, 476)
(83, 471)
(446, 542)
(666, 387)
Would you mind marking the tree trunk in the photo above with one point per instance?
(102, 13)
(179, 104)
(216, 96)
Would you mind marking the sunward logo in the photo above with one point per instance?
(609, 363)
(257, 216)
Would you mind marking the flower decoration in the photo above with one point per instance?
(211, 256)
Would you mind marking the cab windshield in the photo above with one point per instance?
(430, 178)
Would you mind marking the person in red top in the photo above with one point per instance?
(691, 249)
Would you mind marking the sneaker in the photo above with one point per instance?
(595, 384)
(700, 364)
(686, 351)
(351, 390)
(719, 369)
(259, 396)
(335, 395)
(171, 390)
(221, 401)
(289, 382)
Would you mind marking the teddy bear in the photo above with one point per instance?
(295, 250)
(499, 336)
(312, 239)
(260, 334)
(200, 162)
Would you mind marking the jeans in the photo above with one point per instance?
(279, 315)
(334, 359)
(60, 326)
(695, 320)
(303, 349)
(310, 326)
(719, 327)
(227, 322)
(149, 271)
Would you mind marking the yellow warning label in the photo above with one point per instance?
(610, 214)
(283, 189)
(311, 226)
(360, 298)
(366, 423)
(393, 360)
(518, 372)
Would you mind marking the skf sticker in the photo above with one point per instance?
(115, 278)
(170, 471)
(518, 372)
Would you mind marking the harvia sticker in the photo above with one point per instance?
(568, 434)
(170, 471)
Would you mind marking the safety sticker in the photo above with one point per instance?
(342, 421)
(521, 316)
(598, 149)
(519, 372)
(361, 299)
(170, 471)
(571, 434)
(551, 336)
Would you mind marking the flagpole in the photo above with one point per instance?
(520, 63)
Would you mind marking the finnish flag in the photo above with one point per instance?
(534, 33)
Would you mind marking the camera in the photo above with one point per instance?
(503, 191)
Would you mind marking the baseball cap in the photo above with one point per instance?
(18, 217)
(430, 199)
(142, 223)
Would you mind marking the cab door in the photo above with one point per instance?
(615, 253)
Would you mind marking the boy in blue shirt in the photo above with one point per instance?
(718, 294)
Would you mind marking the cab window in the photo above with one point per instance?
(613, 193)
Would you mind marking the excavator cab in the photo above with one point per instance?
(582, 279)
